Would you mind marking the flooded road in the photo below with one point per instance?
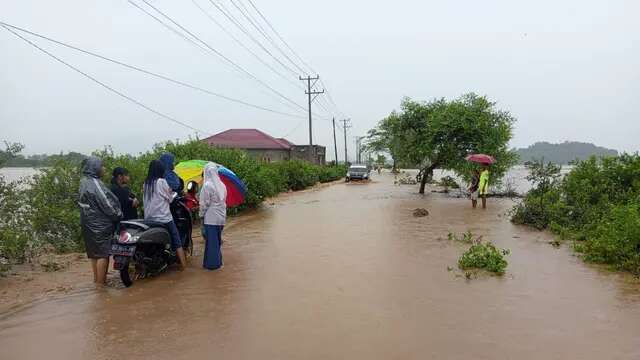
(346, 272)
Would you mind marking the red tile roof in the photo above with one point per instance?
(248, 139)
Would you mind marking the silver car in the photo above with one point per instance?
(357, 172)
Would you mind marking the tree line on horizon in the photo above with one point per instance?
(12, 158)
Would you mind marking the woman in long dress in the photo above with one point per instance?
(213, 211)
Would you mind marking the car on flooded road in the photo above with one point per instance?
(357, 172)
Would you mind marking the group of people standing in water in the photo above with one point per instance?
(102, 208)
(479, 187)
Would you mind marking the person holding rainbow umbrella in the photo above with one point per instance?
(220, 188)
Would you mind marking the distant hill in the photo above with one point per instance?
(562, 153)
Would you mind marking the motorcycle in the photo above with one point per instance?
(142, 248)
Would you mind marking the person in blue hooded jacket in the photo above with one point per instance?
(168, 159)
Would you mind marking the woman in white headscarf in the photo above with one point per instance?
(213, 211)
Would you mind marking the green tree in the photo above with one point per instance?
(385, 137)
(10, 151)
(439, 134)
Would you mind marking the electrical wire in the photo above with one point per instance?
(293, 130)
(256, 56)
(229, 61)
(247, 15)
(246, 32)
(113, 90)
(280, 37)
(270, 25)
(159, 76)
(231, 18)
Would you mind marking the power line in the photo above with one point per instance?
(294, 129)
(163, 77)
(231, 62)
(231, 18)
(237, 23)
(331, 99)
(280, 37)
(294, 53)
(250, 19)
(117, 92)
(243, 45)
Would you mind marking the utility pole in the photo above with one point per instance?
(359, 148)
(315, 94)
(335, 145)
(346, 123)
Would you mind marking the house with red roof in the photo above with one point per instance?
(265, 147)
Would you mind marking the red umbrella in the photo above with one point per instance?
(481, 159)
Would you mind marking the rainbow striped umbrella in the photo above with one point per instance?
(191, 170)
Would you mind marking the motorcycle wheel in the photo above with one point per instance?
(125, 276)
(129, 273)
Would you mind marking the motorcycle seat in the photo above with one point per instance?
(142, 224)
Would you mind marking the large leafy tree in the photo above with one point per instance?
(439, 134)
(10, 151)
(383, 138)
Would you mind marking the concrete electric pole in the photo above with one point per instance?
(346, 123)
(335, 145)
(315, 94)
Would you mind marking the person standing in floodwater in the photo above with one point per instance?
(474, 188)
(213, 211)
(484, 185)
(120, 187)
(99, 213)
(158, 196)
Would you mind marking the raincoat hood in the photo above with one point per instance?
(167, 159)
(92, 166)
(213, 208)
(212, 179)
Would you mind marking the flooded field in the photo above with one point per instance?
(14, 174)
(346, 272)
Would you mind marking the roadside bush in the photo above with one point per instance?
(541, 202)
(331, 173)
(14, 232)
(597, 204)
(615, 239)
(298, 174)
(53, 207)
(43, 213)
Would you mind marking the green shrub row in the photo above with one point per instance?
(597, 204)
(41, 213)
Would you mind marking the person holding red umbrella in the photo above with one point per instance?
(483, 183)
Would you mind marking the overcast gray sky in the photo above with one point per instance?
(568, 70)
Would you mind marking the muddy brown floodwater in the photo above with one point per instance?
(347, 272)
